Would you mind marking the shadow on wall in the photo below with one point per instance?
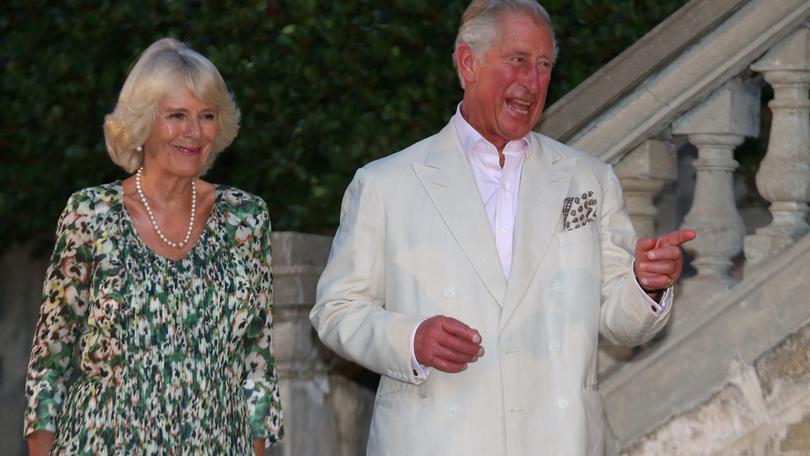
(21, 276)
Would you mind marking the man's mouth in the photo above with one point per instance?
(518, 106)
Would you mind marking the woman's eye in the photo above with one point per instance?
(209, 116)
(177, 115)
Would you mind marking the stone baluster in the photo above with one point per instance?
(716, 127)
(784, 174)
(643, 172)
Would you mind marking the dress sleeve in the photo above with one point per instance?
(65, 300)
(261, 383)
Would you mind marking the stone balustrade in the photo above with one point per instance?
(712, 335)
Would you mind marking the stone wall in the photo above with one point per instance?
(763, 409)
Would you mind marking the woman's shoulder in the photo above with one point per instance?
(97, 194)
(239, 200)
(90, 207)
(91, 200)
(241, 206)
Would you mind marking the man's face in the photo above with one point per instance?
(505, 92)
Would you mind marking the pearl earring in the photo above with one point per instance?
(139, 149)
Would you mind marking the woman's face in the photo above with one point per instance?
(182, 135)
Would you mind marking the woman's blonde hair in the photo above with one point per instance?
(162, 68)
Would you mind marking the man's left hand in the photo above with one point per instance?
(659, 261)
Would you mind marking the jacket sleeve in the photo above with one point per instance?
(350, 312)
(626, 314)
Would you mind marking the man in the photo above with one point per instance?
(475, 269)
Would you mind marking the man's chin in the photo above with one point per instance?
(516, 134)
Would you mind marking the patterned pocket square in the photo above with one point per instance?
(579, 211)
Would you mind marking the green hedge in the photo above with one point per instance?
(324, 86)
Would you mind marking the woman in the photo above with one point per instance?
(162, 285)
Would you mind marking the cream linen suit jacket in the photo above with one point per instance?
(414, 240)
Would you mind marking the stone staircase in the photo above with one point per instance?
(731, 375)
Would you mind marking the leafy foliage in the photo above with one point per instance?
(324, 87)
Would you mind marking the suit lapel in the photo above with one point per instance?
(544, 184)
(449, 182)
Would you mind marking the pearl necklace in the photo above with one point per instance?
(174, 245)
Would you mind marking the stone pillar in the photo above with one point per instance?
(643, 172)
(325, 411)
(784, 174)
(716, 127)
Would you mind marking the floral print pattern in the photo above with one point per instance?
(169, 357)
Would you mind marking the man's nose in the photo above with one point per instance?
(531, 78)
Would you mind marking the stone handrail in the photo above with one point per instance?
(621, 75)
(683, 81)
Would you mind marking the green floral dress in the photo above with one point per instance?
(174, 357)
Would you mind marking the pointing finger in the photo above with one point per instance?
(677, 237)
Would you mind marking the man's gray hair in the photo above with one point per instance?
(480, 22)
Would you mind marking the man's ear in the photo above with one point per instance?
(466, 62)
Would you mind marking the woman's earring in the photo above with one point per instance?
(139, 149)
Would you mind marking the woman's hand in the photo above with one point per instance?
(258, 447)
(40, 443)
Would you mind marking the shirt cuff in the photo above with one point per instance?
(658, 308)
(419, 371)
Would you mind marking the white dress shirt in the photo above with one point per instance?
(497, 185)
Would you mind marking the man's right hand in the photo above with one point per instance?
(446, 344)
